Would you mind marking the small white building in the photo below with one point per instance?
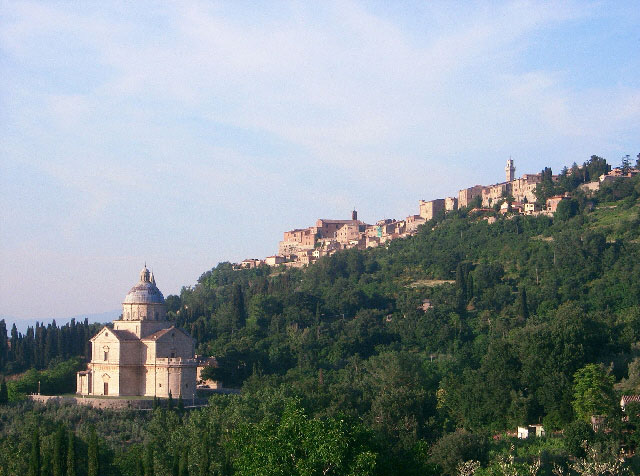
(274, 260)
(525, 432)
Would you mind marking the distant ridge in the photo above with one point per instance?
(22, 324)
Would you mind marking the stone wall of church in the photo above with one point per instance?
(106, 348)
(173, 345)
(188, 382)
(140, 328)
(83, 383)
(130, 378)
(152, 312)
(177, 378)
(130, 352)
(105, 373)
(149, 352)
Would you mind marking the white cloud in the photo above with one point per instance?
(154, 120)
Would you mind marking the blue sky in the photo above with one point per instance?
(188, 133)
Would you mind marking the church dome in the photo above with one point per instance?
(146, 291)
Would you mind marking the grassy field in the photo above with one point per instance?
(430, 283)
(613, 219)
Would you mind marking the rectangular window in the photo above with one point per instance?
(106, 356)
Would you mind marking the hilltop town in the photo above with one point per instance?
(303, 246)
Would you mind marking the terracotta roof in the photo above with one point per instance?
(120, 335)
(630, 398)
(161, 332)
(124, 335)
(156, 335)
(339, 221)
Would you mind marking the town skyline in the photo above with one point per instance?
(190, 134)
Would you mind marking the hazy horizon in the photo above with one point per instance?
(23, 323)
(187, 134)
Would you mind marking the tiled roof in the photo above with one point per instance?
(124, 335)
(144, 293)
(630, 398)
(158, 334)
(120, 335)
(337, 221)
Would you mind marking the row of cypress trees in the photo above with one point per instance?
(62, 458)
(41, 344)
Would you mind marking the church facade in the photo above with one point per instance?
(143, 354)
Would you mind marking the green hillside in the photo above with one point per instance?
(343, 371)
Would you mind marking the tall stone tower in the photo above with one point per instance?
(510, 171)
(354, 214)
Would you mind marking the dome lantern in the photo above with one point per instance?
(145, 291)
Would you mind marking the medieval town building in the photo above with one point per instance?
(303, 246)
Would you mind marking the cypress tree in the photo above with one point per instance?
(318, 319)
(59, 452)
(180, 404)
(45, 466)
(523, 307)
(4, 393)
(4, 348)
(175, 467)
(13, 352)
(87, 344)
(469, 287)
(92, 454)
(148, 460)
(71, 454)
(170, 402)
(460, 279)
(183, 468)
(204, 458)
(34, 460)
(139, 467)
(239, 316)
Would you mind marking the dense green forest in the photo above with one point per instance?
(412, 358)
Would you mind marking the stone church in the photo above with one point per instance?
(143, 354)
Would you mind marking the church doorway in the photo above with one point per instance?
(106, 388)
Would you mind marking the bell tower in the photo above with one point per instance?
(510, 170)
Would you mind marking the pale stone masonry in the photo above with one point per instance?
(143, 354)
(466, 195)
(431, 208)
(450, 204)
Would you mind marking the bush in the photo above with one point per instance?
(575, 434)
(57, 380)
(455, 448)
